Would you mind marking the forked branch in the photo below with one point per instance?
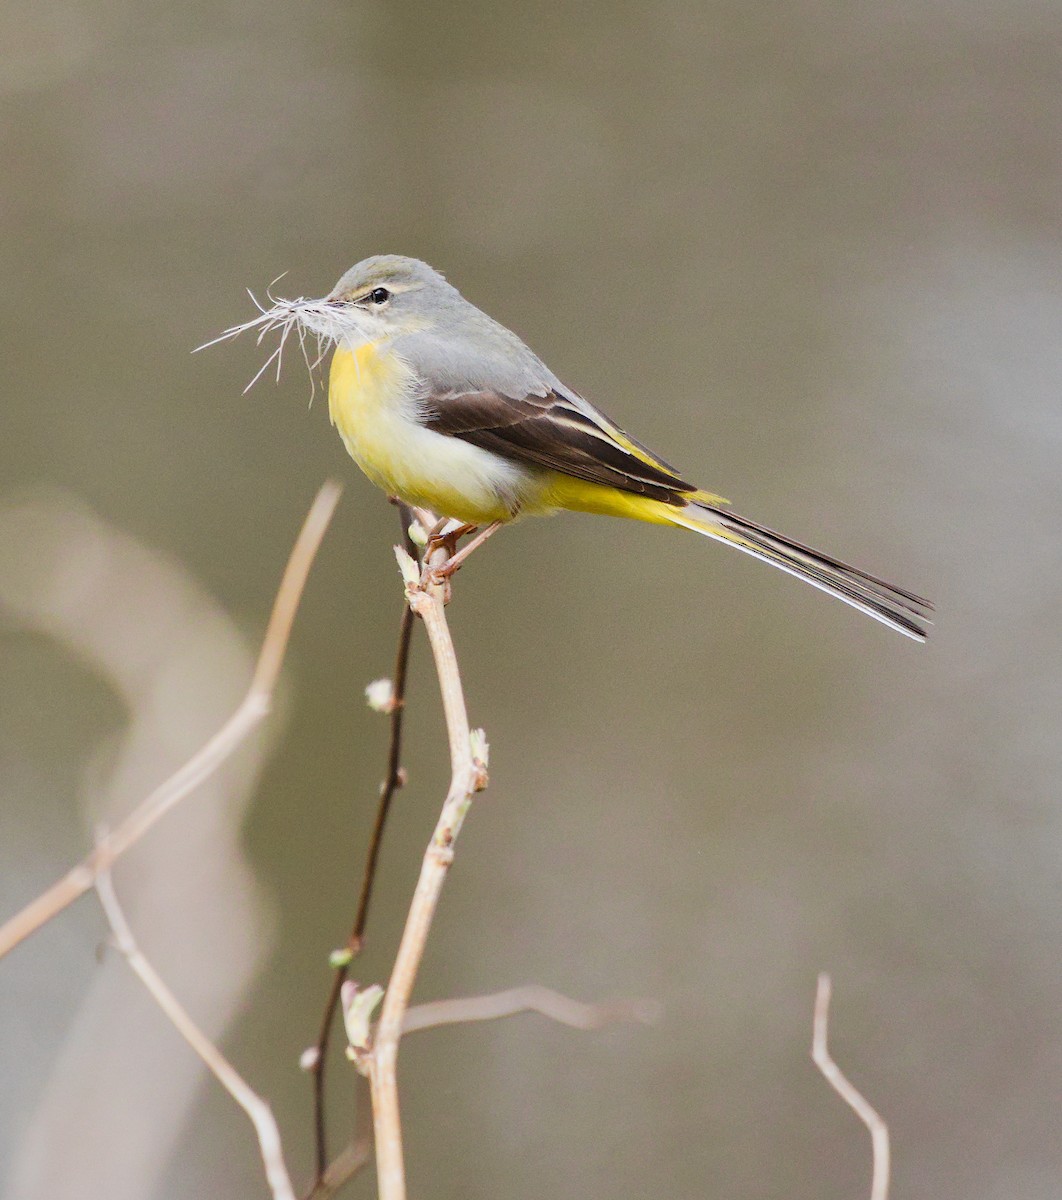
(252, 710)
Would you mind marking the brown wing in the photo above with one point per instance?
(558, 432)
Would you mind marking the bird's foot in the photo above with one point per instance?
(447, 539)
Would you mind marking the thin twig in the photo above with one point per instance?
(355, 942)
(355, 1155)
(532, 998)
(253, 1105)
(820, 1054)
(251, 711)
(352, 1159)
(468, 776)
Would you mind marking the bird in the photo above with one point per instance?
(446, 409)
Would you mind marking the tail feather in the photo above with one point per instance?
(893, 606)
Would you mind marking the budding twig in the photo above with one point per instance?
(393, 780)
(468, 775)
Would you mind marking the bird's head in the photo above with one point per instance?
(386, 295)
(381, 297)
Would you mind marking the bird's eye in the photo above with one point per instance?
(379, 295)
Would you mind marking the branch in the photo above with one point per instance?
(355, 1155)
(820, 1055)
(251, 711)
(468, 775)
(226, 1074)
(494, 1006)
(393, 780)
(532, 998)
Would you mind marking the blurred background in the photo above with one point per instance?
(811, 253)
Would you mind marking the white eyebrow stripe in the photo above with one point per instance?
(394, 288)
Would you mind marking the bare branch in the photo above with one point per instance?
(352, 1159)
(468, 775)
(820, 1054)
(226, 1074)
(532, 998)
(355, 1156)
(251, 711)
(393, 780)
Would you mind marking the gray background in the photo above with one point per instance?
(808, 251)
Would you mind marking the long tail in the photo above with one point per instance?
(883, 601)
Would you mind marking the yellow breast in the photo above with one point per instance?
(372, 403)
(363, 385)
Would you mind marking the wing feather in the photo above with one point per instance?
(563, 433)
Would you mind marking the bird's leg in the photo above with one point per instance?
(455, 561)
(446, 538)
(439, 548)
